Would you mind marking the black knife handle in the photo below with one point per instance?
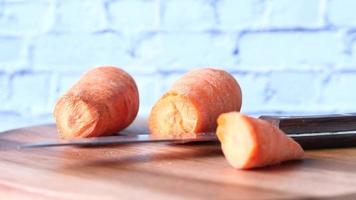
(313, 123)
(314, 141)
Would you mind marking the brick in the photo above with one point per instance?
(240, 14)
(29, 94)
(291, 50)
(148, 87)
(342, 12)
(348, 59)
(352, 61)
(184, 51)
(24, 1)
(187, 15)
(167, 80)
(293, 91)
(80, 16)
(59, 84)
(338, 92)
(11, 48)
(253, 88)
(24, 17)
(79, 52)
(67, 81)
(12, 53)
(52, 91)
(2, 6)
(12, 120)
(292, 14)
(3, 88)
(133, 15)
(143, 63)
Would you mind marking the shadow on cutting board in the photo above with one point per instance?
(136, 154)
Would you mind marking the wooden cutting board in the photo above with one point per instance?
(162, 171)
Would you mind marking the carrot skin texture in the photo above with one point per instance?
(104, 101)
(252, 143)
(194, 102)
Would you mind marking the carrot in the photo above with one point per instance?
(194, 102)
(250, 143)
(105, 100)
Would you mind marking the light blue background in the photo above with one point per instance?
(290, 56)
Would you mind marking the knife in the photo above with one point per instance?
(311, 132)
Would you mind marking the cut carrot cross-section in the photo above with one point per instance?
(250, 143)
(104, 101)
(194, 102)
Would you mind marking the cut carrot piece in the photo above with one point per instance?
(105, 100)
(194, 102)
(250, 143)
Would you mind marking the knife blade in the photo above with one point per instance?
(125, 139)
(311, 132)
(306, 140)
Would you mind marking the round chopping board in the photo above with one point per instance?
(161, 171)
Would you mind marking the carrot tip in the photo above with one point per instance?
(251, 143)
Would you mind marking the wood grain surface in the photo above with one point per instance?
(162, 171)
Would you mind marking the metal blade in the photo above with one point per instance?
(125, 139)
(306, 140)
(323, 131)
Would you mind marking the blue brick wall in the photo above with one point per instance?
(289, 56)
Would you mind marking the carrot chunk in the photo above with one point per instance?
(251, 143)
(194, 102)
(105, 100)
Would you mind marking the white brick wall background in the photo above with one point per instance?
(289, 56)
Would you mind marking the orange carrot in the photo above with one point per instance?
(105, 100)
(194, 102)
(250, 143)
